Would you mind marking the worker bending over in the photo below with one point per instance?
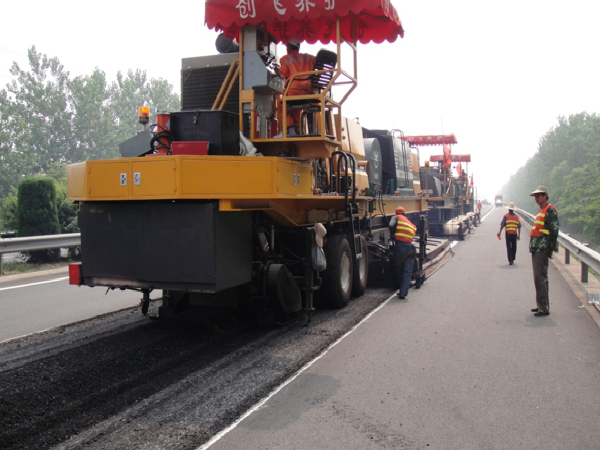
(403, 232)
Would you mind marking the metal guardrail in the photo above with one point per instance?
(590, 259)
(26, 244)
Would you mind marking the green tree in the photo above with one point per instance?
(568, 163)
(40, 99)
(130, 92)
(93, 125)
(48, 118)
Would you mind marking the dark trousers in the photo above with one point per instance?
(539, 261)
(404, 260)
(511, 246)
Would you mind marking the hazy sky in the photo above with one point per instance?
(496, 74)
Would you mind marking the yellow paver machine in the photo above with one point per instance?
(222, 203)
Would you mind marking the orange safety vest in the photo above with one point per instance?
(405, 230)
(538, 226)
(512, 223)
(294, 63)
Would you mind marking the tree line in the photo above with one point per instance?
(568, 163)
(49, 119)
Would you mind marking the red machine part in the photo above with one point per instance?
(163, 141)
(198, 148)
(453, 158)
(430, 140)
(75, 274)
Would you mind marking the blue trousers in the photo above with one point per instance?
(404, 260)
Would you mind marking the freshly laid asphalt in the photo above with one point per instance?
(462, 363)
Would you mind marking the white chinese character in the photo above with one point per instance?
(279, 7)
(329, 4)
(246, 8)
(304, 4)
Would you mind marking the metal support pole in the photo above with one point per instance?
(1, 256)
(309, 279)
(567, 256)
(585, 270)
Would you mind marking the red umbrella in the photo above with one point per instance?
(308, 20)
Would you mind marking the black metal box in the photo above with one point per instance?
(219, 128)
(165, 245)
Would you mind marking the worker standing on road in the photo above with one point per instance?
(403, 231)
(292, 63)
(543, 242)
(513, 232)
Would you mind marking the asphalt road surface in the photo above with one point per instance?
(37, 303)
(461, 364)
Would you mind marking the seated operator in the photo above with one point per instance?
(292, 63)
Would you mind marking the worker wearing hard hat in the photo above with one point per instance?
(291, 64)
(403, 232)
(513, 232)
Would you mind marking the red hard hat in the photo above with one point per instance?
(400, 210)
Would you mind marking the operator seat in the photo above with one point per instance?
(325, 64)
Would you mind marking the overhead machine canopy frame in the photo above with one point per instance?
(312, 21)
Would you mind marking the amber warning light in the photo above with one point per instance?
(144, 115)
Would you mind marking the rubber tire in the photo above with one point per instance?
(360, 272)
(337, 278)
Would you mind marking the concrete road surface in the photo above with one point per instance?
(462, 363)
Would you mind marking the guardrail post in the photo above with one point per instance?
(585, 270)
(567, 256)
(1, 255)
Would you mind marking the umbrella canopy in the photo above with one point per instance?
(308, 20)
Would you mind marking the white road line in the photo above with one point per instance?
(483, 218)
(217, 437)
(34, 284)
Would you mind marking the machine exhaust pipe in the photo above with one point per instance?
(226, 45)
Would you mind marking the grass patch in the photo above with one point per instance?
(19, 267)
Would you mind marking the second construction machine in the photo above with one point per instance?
(210, 206)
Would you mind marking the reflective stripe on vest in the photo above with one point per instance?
(538, 226)
(512, 223)
(405, 230)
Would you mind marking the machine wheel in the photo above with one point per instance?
(360, 272)
(337, 278)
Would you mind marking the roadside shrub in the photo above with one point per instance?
(67, 217)
(37, 214)
(8, 211)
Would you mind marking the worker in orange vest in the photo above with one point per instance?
(513, 232)
(543, 242)
(403, 232)
(292, 63)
